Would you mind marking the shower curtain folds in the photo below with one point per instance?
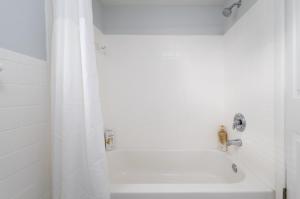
(79, 162)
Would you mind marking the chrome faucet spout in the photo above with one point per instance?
(235, 142)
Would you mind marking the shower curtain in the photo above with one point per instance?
(79, 166)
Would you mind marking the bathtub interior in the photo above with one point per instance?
(181, 174)
(172, 167)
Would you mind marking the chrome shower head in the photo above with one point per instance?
(228, 11)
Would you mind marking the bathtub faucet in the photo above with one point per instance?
(235, 142)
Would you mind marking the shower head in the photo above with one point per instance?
(228, 11)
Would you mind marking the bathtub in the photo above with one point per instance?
(165, 174)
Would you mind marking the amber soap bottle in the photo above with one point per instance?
(223, 138)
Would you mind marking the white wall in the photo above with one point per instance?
(163, 91)
(24, 127)
(249, 78)
(292, 102)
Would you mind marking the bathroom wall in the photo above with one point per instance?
(163, 91)
(153, 17)
(24, 127)
(97, 14)
(23, 27)
(157, 19)
(292, 99)
(249, 83)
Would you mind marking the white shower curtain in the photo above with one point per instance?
(79, 166)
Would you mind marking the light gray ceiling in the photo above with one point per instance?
(166, 2)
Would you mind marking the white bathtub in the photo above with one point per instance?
(157, 174)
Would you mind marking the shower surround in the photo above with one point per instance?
(166, 92)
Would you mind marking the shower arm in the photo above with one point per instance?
(237, 4)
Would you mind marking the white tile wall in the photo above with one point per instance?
(24, 127)
(163, 91)
(249, 80)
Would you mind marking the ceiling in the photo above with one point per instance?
(166, 2)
